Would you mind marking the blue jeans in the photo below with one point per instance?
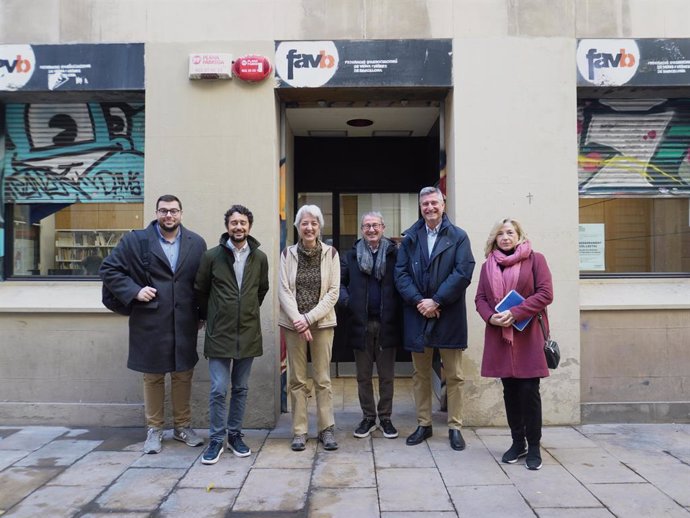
(219, 370)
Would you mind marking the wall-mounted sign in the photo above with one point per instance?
(639, 62)
(252, 68)
(107, 66)
(359, 63)
(212, 65)
(592, 247)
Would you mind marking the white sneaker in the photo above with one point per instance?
(154, 436)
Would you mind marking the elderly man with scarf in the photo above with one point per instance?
(372, 308)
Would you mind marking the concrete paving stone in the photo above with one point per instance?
(670, 475)
(98, 468)
(60, 452)
(594, 466)
(228, 473)
(472, 467)
(175, 454)
(489, 501)
(564, 437)
(486, 432)
(343, 503)
(54, 501)
(551, 486)
(412, 489)
(116, 438)
(397, 454)
(115, 515)
(192, 503)
(642, 437)
(348, 443)
(32, 437)
(9, 457)
(139, 489)
(639, 500)
(16, 483)
(416, 514)
(273, 490)
(276, 453)
(575, 512)
(344, 471)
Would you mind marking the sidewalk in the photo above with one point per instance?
(589, 471)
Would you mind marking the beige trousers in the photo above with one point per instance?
(321, 349)
(421, 381)
(180, 395)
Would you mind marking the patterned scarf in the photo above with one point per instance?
(502, 281)
(308, 278)
(365, 258)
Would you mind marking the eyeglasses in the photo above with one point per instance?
(165, 212)
(372, 226)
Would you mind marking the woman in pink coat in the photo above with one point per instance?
(517, 357)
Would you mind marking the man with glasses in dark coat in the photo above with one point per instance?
(372, 307)
(164, 321)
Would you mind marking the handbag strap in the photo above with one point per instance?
(543, 328)
(541, 321)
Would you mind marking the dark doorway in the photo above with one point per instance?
(346, 177)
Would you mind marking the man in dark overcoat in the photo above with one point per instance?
(372, 309)
(164, 322)
(433, 270)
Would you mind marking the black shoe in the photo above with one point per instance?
(419, 435)
(365, 428)
(237, 445)
(389, 431)
(533, 461)
(517, 450)
(456, 440)
(212, 452)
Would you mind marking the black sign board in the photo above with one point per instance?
(79, 67)
(364, 63)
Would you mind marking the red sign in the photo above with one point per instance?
(252, 68)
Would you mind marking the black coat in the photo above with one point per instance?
(163, 332)
(353, 302)
(443, 277)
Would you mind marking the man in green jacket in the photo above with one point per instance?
(231, 284)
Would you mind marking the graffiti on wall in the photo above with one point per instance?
(85, 152)
(634, 147)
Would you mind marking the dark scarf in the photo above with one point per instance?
(308, 278)
(365, 258)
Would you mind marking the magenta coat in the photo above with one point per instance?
(525, 358)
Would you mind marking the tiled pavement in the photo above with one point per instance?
(589, 471)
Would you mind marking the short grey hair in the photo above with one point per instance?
(372, 214)
(312, 210)
(431, 190)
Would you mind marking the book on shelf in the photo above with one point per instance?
(512, 299)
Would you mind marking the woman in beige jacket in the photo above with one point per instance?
(309, 288)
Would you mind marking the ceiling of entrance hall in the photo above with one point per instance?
(332, 121)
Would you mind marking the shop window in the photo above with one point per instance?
(634, 185)
(72, 185)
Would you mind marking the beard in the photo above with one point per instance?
(169, 227)
(235, 239)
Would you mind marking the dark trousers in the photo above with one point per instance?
(523, 409)
(385, 366)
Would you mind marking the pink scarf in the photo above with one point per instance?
(502, 281)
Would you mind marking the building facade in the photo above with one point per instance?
(571, 116)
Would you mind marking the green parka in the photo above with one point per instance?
(233, 324)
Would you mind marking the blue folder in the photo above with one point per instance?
(513, 298)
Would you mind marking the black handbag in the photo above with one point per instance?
(551, 349)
